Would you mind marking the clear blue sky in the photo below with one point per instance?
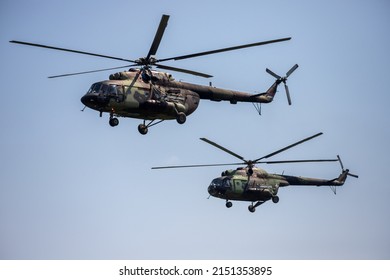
(72, 187)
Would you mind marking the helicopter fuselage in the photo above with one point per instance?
(138, 95)
(261, 185)
(152, 95)
(256, 185)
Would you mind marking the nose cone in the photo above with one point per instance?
(95, 101)
(212, 190)
(86, 100)
(218, 187)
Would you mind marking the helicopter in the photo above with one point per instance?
(154, 96)
(256, 185)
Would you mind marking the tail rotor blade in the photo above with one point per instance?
(353, 175)
(291, 70)
(347, 170)
(341, 163)
(288, 94)
(273, 74)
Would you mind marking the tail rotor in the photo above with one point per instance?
(283, 80)
(346, 170)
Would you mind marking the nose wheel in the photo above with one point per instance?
(113, 121)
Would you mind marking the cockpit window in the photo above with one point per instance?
(112, 89)
(103, 88)
(221, 183)
(95, 88)
(217, 182)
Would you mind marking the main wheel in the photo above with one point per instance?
(113, 122)
(143, 129)
(275, 199)
(229, 204)
(181, 118)
(251, 208)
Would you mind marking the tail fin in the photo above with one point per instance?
(339, 181)
(268, 96)
(270, 93)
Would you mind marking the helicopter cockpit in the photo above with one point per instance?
(100, 87)
(99, 94)
(219, 185)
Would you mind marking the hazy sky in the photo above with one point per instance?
(72, 187)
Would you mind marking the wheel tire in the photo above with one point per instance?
(143, 129)
(181, 118)
(251, 209)
(114, 122)
(229, 204)
(275, 199)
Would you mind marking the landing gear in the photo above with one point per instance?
(113, 122)
(229, 204)
(143, 129)
(181, 118)
(275, 199)
(252, 208)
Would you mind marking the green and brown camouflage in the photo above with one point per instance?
(261, 185)
(256, 185)
(157, 96)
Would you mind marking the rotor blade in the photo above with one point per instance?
(288, 94)
(135, 79)
(196, 165)
(92, 71)
(291, 70)
(297, 161)
(183, 71)
(288, 147)
(353, 175)
(273, 74)
(69, 50)
(225, 49)
(341, 163)
(158, 36)
(222, 148)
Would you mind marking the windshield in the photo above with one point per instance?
(219, 182)
(103, 88)
(95, 88)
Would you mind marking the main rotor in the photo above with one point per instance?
(251, 163)
(150, 60)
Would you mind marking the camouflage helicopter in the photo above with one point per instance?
(155, 96)
(256, 185)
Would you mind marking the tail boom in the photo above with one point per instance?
(305, 181)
